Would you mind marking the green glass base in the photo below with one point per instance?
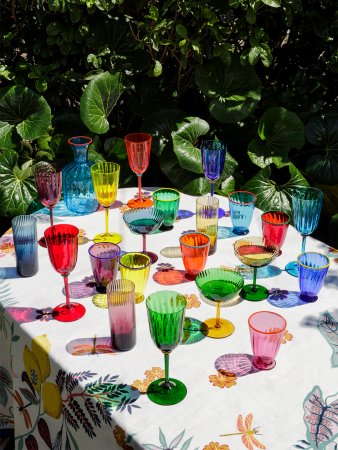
(114, 238)
(158, 392)
(224, 328)
(254, 293)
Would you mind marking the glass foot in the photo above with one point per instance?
(292, 268)
(263, 363)
(158, 392)
(240, 231)
(221, 213)
(225, 328)
(68, 313)
(114, 238)
(254, 293)
(153, 257)
(42, 242)
(143, 203)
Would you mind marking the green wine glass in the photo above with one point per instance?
(166, 310)
(220, 285)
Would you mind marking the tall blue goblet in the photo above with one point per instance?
(213, 158)
(306, 206)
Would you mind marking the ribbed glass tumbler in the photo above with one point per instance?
(26, 245)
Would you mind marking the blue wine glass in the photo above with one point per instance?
(306, 206)
(213, 158)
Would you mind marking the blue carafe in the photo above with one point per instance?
(77, 183)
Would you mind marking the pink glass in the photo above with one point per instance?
(104, 258)
(62, 244)
(48, 182)
(275, 226)
(138, 147)
(194, 249)
(266, 332)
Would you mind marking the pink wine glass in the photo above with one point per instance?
(48, 182)
(62, 244)
(138, 147)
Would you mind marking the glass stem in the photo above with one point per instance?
(139, 187)
(212, 191)
(65, 279)
(166, 369)
(303, 243)
(254, 280)
(106, 210)
(144, 243)
(51, 216)
(218, 315)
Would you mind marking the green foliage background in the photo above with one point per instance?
(259, 74)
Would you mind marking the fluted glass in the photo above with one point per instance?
(26, 245)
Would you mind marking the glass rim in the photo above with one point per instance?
(287, 221)
(195, 246)
(250, 240)
(310, 267)
(26, 217)
(221, 269)
(128, 138)
(139, 254)
(306, 188)
(177, 294)
(89, 140)
(166, 189)
(242, 203)
(96, 167)
(129, 289)
(56, 227)
(211, 141)
(266, 332)
(215, 200)
(107, 257)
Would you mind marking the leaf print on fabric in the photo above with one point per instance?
(247, 433)
(121, 439)
(329, 329)
(321, 419)
(223, 379)
(172, 445)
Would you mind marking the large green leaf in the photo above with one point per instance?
(274, 187)
(17, 187)
(279, 130)
(99, 99)
(24, 112)
(234, 89)
(272, 3)
(322, 133)
(184, 141)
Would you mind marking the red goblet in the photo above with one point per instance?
(138, 149)
(62, 244)
(48, 182)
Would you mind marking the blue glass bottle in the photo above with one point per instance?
(78, 189)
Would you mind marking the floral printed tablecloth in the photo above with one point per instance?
(62, 386)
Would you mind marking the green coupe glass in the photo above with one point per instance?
(166, 311)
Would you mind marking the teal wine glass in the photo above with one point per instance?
(166, 310)
(306, 206)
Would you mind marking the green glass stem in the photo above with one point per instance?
(303, 243)
(254, 280)
(218, 315)
(166, 383)
(106, 211)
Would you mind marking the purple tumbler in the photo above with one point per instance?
(104, 258)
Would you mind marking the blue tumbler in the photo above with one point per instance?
(312, 271)
(26, 245)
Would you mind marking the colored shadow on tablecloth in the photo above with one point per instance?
(21, 314)
(240, 364)
(285, 299)
(171, 276)
(184, 214)
(192, 331)
(7, 273)
(82, 289)
(225, 233)
(90, 346)
(262, 272)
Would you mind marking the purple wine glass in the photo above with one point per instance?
(213, 159)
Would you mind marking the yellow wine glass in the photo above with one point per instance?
(106, 182)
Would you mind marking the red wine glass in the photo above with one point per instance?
(138, 147)
(62, 244)
(48, 182)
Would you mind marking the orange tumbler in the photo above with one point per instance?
(194, 249)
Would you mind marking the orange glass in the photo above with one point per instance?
(194, 249)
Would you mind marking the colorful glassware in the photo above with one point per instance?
(166, 310)
(136, 268)
(62, 244)
(26, 245)
(312, 271)
(195, 249)
(207, 219)
(167, 200)
(78, 189)
(106, 183)
(242, 205)
(104, 259)
(275, 226)
(138, 147)
(213, 159)
(221, 286)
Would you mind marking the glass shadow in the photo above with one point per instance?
(192, 331)
(240, 364)
(285, 299)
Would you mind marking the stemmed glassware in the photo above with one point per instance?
(166, 310)
(255, 252)
(106, 183)
(62, 244)
(306, 206)
(48, 182)
(138, 147)
(219, 285)
(144, 221)
(213, 158)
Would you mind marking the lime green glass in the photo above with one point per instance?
(106, 183)
(136, 268)
(221, 286)
(166, 310)
(167, 200)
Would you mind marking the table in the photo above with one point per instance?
(86, 397)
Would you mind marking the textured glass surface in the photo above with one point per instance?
(213, 158)
(242, 205)
(306, 205)
(207, 219)
(167, 200)
(312, 272)
(194, 250)
(275, 226)
(136, 268)
(219, 284)
(104, 258)
(26, 245)
(143, 220)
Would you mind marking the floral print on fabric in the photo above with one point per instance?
(223, 379)
(192, 301)
(287, 337)
(7, 246)
(216, 446)
(151, 375)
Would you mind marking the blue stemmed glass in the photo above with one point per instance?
(213, 159)
(306, 206)
(144, 221)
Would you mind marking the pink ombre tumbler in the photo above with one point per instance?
(266, 332)
(121, 309)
